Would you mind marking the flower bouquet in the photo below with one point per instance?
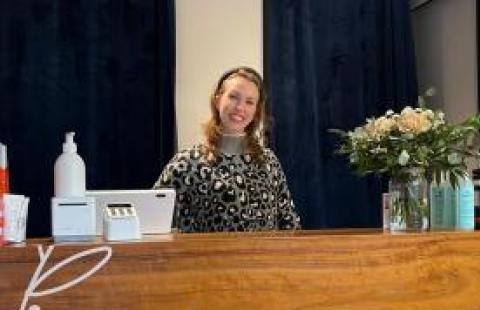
(415, 144)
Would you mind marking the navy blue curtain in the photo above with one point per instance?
(104, 69)
(331, 64)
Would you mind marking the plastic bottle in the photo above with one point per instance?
(69, 171)
(438, 202)
(465, 212)
(4, 184)
(476, 187)
(451, 204)
(4, 188)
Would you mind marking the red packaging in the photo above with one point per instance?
(4, 188)
(4, 184)
(2, 222)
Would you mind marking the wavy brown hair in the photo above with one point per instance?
(254, 131)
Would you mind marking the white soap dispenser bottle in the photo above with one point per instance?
(69, 171)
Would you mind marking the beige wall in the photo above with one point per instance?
(445, 44)
(212, 36)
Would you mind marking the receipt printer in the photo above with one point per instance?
(120, 222)
(73, 219)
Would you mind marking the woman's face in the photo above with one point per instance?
(237, 104)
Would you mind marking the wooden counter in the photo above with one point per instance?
(292, 270)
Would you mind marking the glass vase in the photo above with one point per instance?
(409, 205)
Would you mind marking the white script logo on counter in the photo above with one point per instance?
(38, 277)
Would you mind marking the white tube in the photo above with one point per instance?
(3, 156)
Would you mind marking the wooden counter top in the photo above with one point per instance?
(345, 269)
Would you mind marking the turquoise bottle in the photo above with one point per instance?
(451, 205)
(438, 191)
(465, 218)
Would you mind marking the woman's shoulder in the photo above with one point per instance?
(269, 155)
(193, 152)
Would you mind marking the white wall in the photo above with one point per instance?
(445, 45)
(212, 36)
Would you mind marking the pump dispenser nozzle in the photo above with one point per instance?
(69, 145)
(69, 171)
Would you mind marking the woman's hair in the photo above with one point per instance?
(254, 131)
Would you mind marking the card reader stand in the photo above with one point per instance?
(120, 222)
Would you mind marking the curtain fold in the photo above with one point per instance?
(104, 69)
(331, 64)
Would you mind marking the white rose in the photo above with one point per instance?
(403, 158)
(407, 110)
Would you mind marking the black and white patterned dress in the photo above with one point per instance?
(234, 193)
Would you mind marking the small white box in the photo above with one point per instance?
(120, 222)
(73, 219)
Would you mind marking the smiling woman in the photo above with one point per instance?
(231, 182)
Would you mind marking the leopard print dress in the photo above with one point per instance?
(234, 193)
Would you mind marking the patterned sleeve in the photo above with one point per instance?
(175, 175)
(167, 177)
(287, 216)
